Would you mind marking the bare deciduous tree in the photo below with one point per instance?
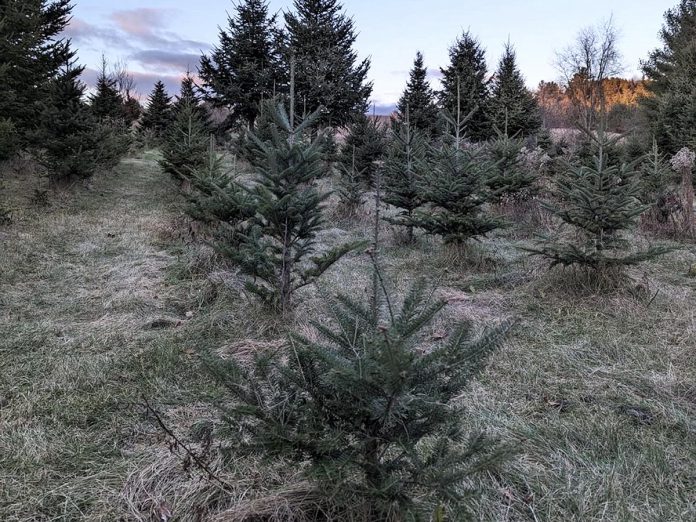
(585, 64)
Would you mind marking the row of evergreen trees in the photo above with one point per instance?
(251, 64)
(44, 108)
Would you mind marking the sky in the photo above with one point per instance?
(161, 39)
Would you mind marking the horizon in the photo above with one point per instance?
(162, 39)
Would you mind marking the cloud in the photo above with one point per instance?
(164, 60)
(384, 109)
(143, 22)
(145, 81)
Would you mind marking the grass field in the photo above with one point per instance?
(106, 301)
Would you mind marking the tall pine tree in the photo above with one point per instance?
(512, 107)
(465, 82)
(418, 100)
(671, 108)
(247, 66)
(329, 75)
(158, 114)
(31, 55)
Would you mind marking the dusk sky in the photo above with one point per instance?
(162, 38)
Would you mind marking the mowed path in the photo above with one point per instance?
(80, 285)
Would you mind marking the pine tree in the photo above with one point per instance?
(509, 179)
(185, 146)
(351, 187)
(465, 82)
(403, 174)
(132, 110)
(106, 102)
(671, 106)
(247, 66)
(69, 130)
(419, 100)
(158, 115)
(189, 99)
(367, 139)
(320, 40)
(657, 181)
(276, 246)
(372, 406)
(600, 203)
(512, 106)
(32, 52)
(454, 188)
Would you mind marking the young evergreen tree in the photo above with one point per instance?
(247, 66)
(364, 145)
(106, 102)
(600, 203)
(403, 174)
(508, 179)
(512, 106)
(132, 110)
(275, 247)
(351, 187)
(671, 105)
(158, 115)
(185, 148)
(69, 130)
(33, 53)
(465, 83)
(455, 190)
(372, 406)
(329, 75)
(657, 180)
(419, 99)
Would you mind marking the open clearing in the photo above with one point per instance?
(105, 300)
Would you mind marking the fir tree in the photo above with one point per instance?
(600, 203)
(465, 83)
(32, 52)
(509, 179)
(185, 146)
(419, 100)
(671, 105)
(71, 143)
(189, 99)
(158, 115)
(657, 181)
(365, 139)
(320, 40)
(455, 190)
(276, 246)
(372, 406)
(132, 110)
(403, 174)
(351, 187)
(247, 66)
(106, 102)
(512, 106)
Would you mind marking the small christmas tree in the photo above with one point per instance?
(185, 147)
(367, 140)
(455, 188)
(276, 246)
(106, 103)
(657, 184)
(372, 406)
(351, 188)
(158, 115)
(509, 179)
(419, 100)
(403, 174)
(599, 202)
